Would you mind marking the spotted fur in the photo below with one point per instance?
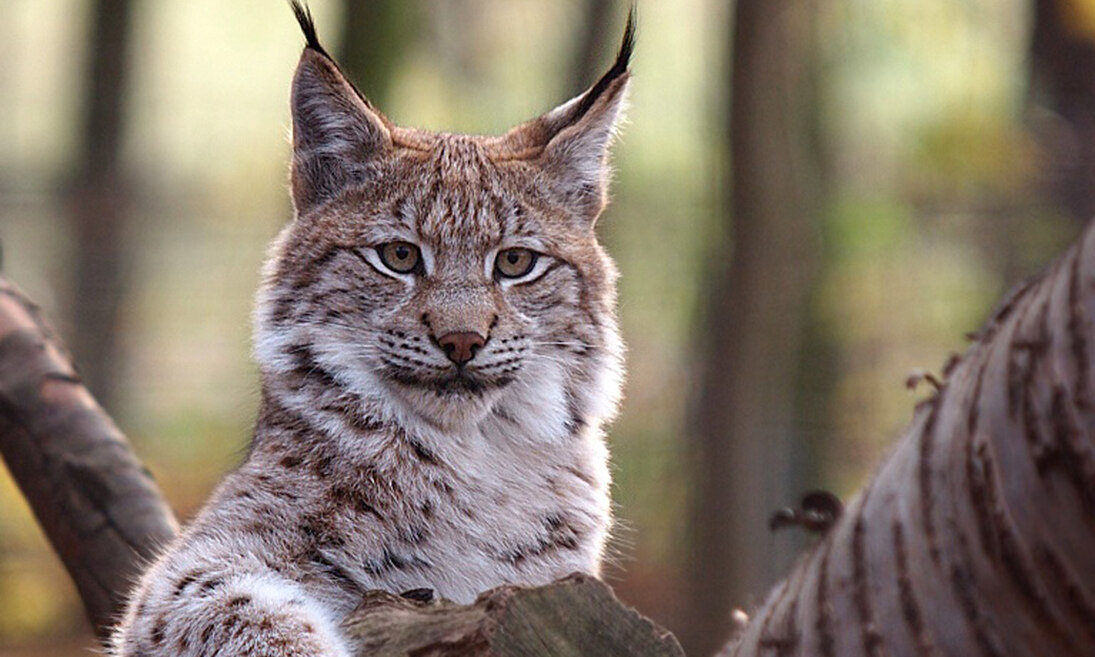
(378, 460)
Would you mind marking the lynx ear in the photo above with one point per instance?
(571, 142)
(337, 134)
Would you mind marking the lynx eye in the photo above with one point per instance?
(400, 257)
(515, 263)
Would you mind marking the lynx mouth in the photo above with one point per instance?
(458, 382)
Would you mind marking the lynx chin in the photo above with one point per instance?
(436, 331)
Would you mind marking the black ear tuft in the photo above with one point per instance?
(336, 132)
(308, 26)
(619, 67)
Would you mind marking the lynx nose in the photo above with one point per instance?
(460, 346)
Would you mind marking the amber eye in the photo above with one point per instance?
(400, 257)
(515, 263)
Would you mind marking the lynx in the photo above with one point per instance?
(439, 352)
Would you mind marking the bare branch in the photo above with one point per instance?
(97, 505)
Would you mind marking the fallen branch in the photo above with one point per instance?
(97, 504)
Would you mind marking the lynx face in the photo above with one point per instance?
(453, 278)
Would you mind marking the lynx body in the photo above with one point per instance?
(438, 345)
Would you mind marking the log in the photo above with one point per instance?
(577, 615)
(977, 536)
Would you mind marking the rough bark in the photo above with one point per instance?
(977, 536)
(577, 615)
(98, 506)
(743, 408)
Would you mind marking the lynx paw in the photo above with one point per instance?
(245, 615)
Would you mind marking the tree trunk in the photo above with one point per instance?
(98, 202)
(742, 418)
(593, 41)
(1062, 54)
(375, 34)
(977, 537)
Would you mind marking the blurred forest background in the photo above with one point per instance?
(814, 198)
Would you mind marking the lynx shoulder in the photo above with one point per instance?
(439, 352)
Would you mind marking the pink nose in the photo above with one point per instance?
(460, 346)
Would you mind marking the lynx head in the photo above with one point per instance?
(446, 277)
